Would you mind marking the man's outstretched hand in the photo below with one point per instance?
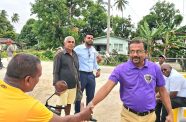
(85, 113)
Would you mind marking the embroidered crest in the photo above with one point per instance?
(148, 78)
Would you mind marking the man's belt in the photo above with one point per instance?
(139, 113)
(85, 72)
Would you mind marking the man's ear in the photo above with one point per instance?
(28, 81)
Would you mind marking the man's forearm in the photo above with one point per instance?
(103, 92)
(166, 100)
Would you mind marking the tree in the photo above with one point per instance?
(149, 35)
(28, 33)
(3, 13)
(15, 18)
(122, 27)
(172, 37)
(166, 14)
(52, 16)
(163, 13)
(58, 19)
(95, 20)
(120, 4)
(6, 29)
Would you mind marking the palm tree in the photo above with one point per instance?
(120, 4)
(3, 13)
(15, 18)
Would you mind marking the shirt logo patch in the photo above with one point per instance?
(148, 78)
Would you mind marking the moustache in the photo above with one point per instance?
(136, 57)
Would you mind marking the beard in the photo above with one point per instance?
(136, 60)
(90, 43)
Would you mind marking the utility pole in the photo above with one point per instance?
(108, 27)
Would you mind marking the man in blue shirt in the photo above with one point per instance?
(87, 64)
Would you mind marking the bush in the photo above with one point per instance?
(42, 55)
(3, 54)
(48, 54)
(121, 58)
(114, 60)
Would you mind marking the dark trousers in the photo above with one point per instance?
(176, 102)
(87, 83)
(1, 64)
(158, 111)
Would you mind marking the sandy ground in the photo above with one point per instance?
(106, 111)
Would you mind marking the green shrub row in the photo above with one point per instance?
(43, 55)
(48, 55)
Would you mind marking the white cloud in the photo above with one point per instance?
(22, 7)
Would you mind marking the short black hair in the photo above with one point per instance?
(138, 41)
(88, 33)
(22, 65)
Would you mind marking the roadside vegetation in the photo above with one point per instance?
(56, 19)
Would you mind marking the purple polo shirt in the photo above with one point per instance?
(137, 86)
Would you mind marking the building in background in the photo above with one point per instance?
(120, 45)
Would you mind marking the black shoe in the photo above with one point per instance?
(93, 120)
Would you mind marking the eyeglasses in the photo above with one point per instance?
(71, 42)
(136, 51)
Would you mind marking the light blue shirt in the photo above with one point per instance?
(87, 58)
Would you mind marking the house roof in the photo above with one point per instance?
(6, 41)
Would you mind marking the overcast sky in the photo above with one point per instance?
(136, 9)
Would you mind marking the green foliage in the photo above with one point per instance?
(95, 19)
(162, 24)
(114, 60)
(121, 58)
(6, 29)
(167, 14)
(49, 54)
(120, 5)
(28, 34)
(43, 55)
(122, 27)
(15, 18)
(3, 54)
(9, 34)
(163, 13)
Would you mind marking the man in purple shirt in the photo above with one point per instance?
(138, 79)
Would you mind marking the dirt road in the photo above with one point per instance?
(107, 111)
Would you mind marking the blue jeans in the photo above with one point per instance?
(88, 83)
